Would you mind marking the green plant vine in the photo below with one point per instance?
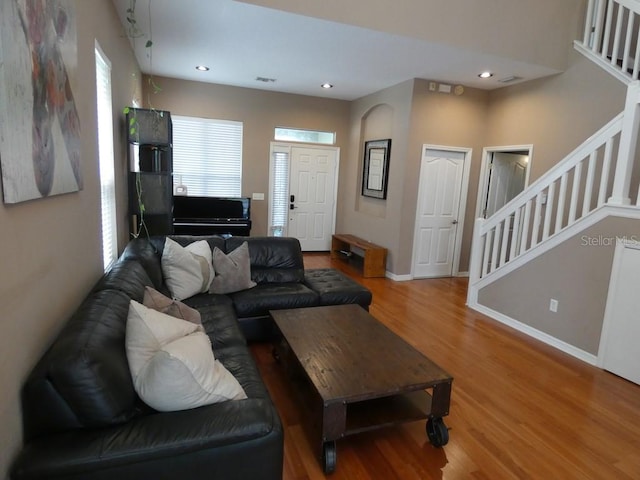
(133, 133)
(134, 32)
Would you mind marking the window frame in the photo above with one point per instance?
(106, 158)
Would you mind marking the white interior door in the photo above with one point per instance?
(312, 190)
(507, 179)
(437, 221)
(619, 352)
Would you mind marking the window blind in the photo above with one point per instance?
(106, 159)
(279, 192)
(207, 156)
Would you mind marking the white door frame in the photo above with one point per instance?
(286, 146)
(461, 208)
(483, 182)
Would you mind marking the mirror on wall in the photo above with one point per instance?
(375, 171)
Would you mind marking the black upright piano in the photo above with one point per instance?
(211, 215)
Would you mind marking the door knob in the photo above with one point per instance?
(455, 222)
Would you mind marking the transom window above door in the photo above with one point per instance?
(307, 136)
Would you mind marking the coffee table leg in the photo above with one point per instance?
(437, 431)
(329, 456)
(334, 416)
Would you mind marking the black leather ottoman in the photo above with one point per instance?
(335, 288)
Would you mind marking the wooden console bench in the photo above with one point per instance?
(374, 257)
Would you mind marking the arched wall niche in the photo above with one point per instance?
(375, 124)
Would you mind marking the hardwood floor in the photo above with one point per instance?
(519, 409)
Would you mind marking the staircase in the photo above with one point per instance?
(591, 183)
(611, 37)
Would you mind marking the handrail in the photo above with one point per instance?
(566, 193)
(612, 36)
(592, 143)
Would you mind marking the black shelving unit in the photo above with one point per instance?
(150, 152)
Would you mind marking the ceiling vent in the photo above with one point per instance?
(509, 79)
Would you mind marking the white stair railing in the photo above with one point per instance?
(596, 173)
(611, 37)
(572, 189)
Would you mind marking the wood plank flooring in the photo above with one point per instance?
(519, 409)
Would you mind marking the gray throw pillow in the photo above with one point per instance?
(232, 271)
(157, 301)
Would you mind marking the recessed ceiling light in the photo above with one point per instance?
(326, 85)
(202, 68)
(485, 75)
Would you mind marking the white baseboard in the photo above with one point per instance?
(537, 334)
(408, 276)
(398, 278)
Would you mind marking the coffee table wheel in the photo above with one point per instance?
(329, 457)
(437, 432)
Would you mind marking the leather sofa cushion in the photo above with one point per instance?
(128, 276)
(229, 440)
(239, 361)
(334, 288)
(184, 240)
(258, 300)
(143, 251)
(220, 323)
(273, 259)
(83, 380)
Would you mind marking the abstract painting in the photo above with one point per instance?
(39, 124)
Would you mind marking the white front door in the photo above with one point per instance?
(312, 190)
(438, 220)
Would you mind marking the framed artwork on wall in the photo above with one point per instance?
(39, 122)
(375, 172)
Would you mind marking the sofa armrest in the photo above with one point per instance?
(152, 441)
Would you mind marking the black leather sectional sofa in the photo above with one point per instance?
(83, 418)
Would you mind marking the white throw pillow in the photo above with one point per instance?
(172, 363)
(187, 270)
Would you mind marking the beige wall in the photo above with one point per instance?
(450, 121)
(260, 111)
(554, 114)
(50, 249)
(478, 26)
(414, 116)
(385, 114)
(576, 273)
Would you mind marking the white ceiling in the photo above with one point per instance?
(240, 42)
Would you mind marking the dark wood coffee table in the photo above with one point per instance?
(357, 375)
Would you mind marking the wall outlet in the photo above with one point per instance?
(553, 305)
